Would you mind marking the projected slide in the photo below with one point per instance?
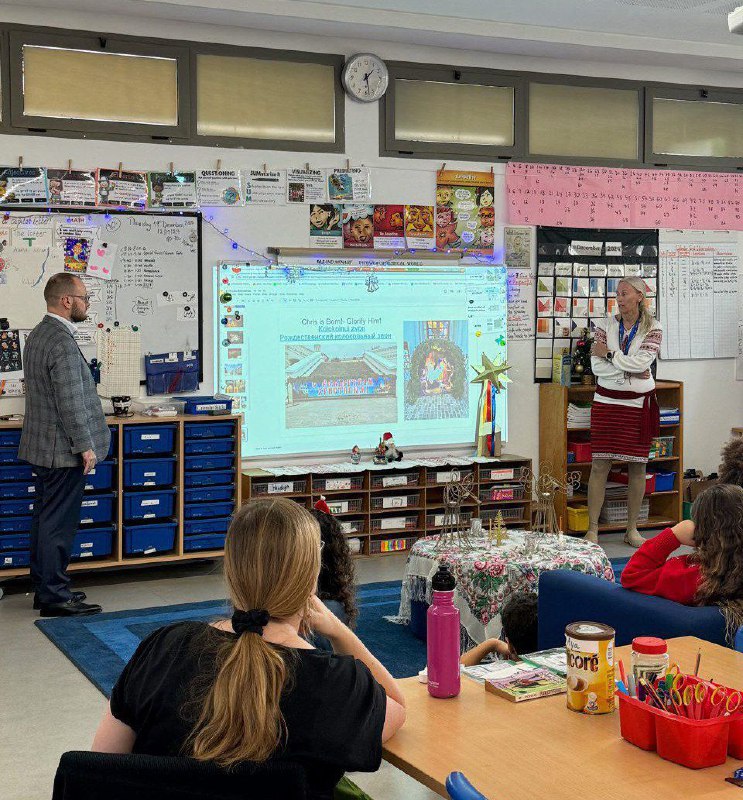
(321, 358)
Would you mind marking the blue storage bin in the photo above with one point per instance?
(148, 539)
(16, 508)
(209, 430)
(10, 438)
(149, 505)
(196, 447)
(664, 481)
(18, 472)
(146, 439)
(201, 510)
(209, 462)
(192, 479)
(208, 541)
(197, 527)
(101, 477)
(13, 490)
(15, 524)
(203, 404)
(149, 472)
(9, 455)
(97, 508)
(14, 558)
(113, 448)
(93, 543)
(15, 541)
(208, 494)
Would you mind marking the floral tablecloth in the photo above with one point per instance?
(487, 575)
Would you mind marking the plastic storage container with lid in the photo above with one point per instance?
(649, 658)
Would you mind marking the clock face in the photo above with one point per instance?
(365, 77)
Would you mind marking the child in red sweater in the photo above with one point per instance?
(713, 573)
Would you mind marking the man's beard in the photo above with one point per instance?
(78, 316)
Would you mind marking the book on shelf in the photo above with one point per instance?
(555, 660)
(535, 683)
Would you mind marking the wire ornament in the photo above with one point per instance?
(544, 488)
(456, 491)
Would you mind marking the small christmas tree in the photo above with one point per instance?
(582, 357)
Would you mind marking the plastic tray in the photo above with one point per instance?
(203, 404)
(17, 491)
(15, 524)
(209, 430)
(92, 543)
(195, 447)
(16, 508)
(146, 539)
(616, 510)
(662, 446)
(97, 508)
(10, 438)
(664, 481)
(199, 527)
(11, 559)
(17, 472)
(101, 477)
(211, 462)
(147, 439)
(149, 505)
(208, 494)
(15, 541)
(219, 478)
(149, 472)
(205, 541)
(204, 510)
(9, 455)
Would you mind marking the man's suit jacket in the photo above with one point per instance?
(63, 415)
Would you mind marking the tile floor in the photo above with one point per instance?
(47, 706)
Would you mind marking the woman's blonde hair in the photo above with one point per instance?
(271, 562)
(718, 536)
(646, 318)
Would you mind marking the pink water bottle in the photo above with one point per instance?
(443, 637)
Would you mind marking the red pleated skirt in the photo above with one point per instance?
(617, 433)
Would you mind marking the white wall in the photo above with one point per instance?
(714, 401)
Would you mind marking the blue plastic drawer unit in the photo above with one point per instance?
(17, 491)
(15, 541)
(149, 472)
(200, 527)
(10, 438)
(101, 477)
(93, 543)
(14, 558)
(195, 447)
(8, 455)
(146, 439)
(203, 404)
(202, 510)
(208, 541)
(16, 508)
(209, 430)
(15, 524)
(209, 462)
(208, 494)
(221, 477)
(17, 472)
(113, 448)
(146, 539)
(149, 505)
(97, 508)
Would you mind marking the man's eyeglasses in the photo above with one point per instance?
(85, 297)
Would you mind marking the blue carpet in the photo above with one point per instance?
(100, 646)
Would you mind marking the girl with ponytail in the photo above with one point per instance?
(251, 688)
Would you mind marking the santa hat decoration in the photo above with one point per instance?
(386, 436)
(321, 505)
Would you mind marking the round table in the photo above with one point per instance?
(487, 574)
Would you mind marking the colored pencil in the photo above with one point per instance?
(622, 673)
(699, 659)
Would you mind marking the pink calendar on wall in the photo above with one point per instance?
(605, 197)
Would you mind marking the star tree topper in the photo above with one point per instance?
(491, 372)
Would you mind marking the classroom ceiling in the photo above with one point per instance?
(674, 33)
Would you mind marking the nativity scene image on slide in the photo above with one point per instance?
(435, 358)
(340, 383)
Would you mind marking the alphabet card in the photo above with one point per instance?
(102, 259)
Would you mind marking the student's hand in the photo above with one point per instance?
(89, 461)
(322, 620)
(599, 350)
(503, 649)
(684, 532)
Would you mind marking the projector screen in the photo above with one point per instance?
(322, 358)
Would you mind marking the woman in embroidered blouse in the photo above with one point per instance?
(624, 415)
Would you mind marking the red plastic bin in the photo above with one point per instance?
(582, 450)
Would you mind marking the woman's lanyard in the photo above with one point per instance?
(625, 344)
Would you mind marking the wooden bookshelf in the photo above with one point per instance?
(382, 496)
(554, 436)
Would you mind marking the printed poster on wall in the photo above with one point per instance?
(10, 355)
(306, 186)
(71, 187)
(518, 247)
(465, 214)
(325, 225)
(171, 190)
(127, 189)
(389, 227)
(23, 186)
(358, 226)
(264, 188)
(221, 187)
(349, 185)
(419, 227)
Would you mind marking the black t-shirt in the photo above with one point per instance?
(333, 708)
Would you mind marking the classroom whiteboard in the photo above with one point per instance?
(155, 273)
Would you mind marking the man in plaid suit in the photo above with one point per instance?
(64, 435)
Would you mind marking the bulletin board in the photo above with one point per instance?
(578, 270)
(154, 280)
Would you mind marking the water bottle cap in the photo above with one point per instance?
(443, 580)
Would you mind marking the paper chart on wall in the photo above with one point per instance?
(699, 294)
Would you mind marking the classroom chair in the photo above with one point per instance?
(566, 596)
(82, 775)
(459, 788)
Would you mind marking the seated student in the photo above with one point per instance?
(731, 468)
(250, 688)
(519, 619)
(713, 573)
(335, 586)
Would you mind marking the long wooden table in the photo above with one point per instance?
(539, 749)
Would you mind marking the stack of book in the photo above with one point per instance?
(579, 415)
(669, 416)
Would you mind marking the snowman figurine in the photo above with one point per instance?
(390, 451)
